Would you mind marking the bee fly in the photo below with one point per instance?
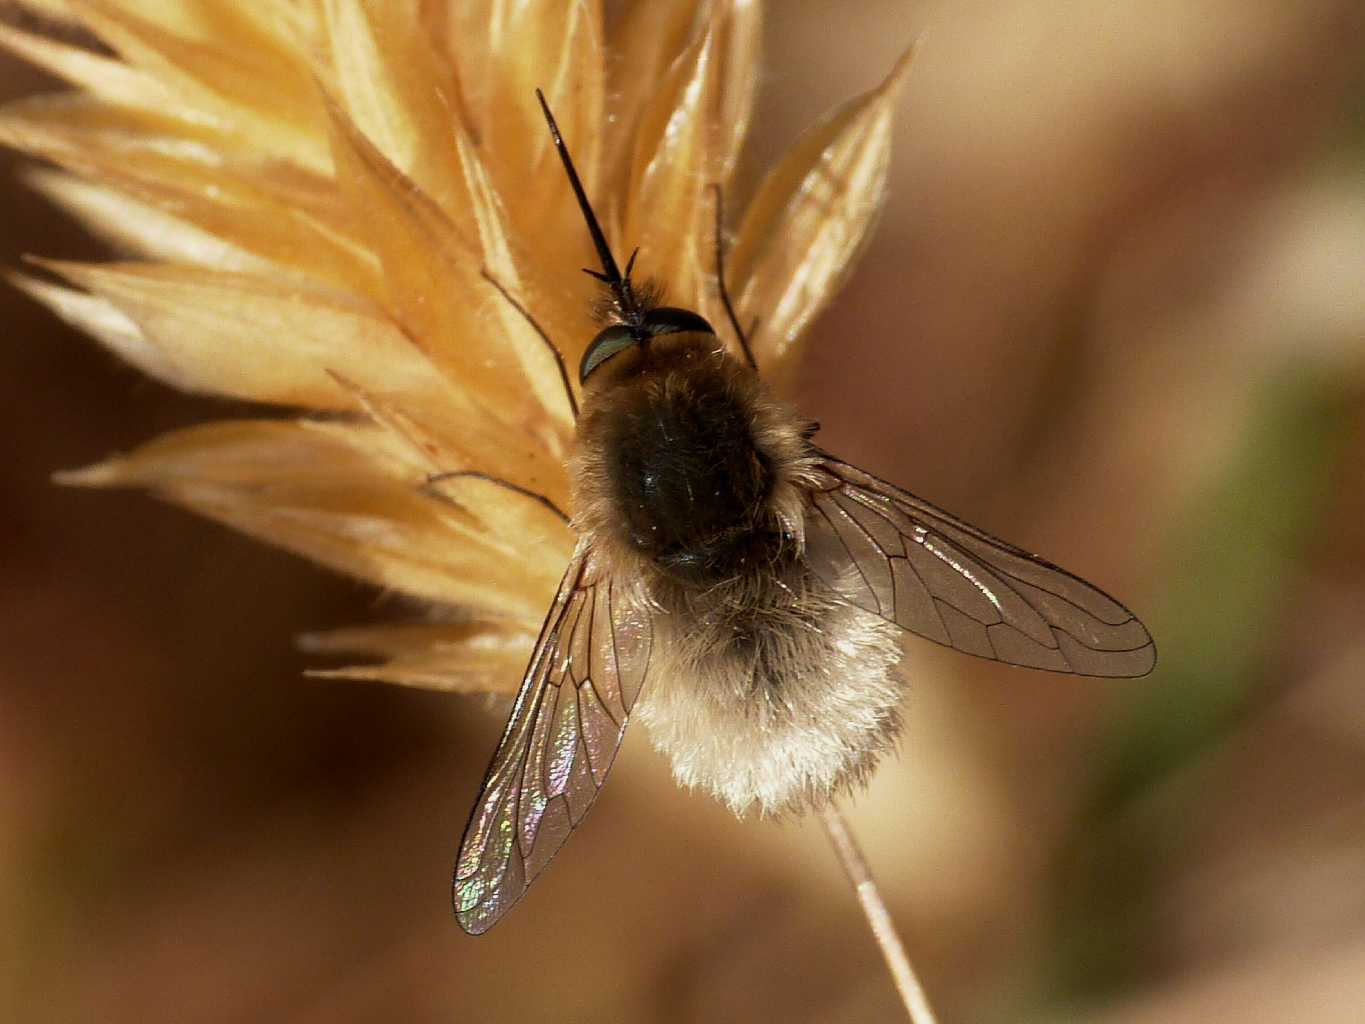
(742, 592)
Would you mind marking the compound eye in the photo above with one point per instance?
(668, 320)
(608, 343)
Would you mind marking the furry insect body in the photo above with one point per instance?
(743, 592)
(689, 478)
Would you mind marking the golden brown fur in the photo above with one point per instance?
(766, 687)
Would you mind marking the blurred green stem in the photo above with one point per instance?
(1231, 570)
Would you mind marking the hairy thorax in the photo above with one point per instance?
(688, 477)
(685, 467)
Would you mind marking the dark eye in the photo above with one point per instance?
(607, 343)
(667, 320)
(618, 337)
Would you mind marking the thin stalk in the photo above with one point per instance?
(893, 950)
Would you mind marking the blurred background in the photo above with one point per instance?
(1114, 312)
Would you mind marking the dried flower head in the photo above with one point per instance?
(351, 208)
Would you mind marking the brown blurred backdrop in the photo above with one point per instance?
(1115, 311)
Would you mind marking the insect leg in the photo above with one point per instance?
(720, 279)
(436, 478)
(554, 349)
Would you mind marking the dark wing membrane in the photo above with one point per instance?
(899, 557)
(585, 674)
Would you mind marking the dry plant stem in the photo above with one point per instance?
(855, 866)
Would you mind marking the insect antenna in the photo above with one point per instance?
(620, 286)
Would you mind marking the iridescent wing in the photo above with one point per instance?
(586, 672)
(898, 556)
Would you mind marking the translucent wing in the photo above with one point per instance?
(899, 557)
(585, 674)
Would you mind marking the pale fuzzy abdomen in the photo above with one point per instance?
(781, 699)
(764, 688)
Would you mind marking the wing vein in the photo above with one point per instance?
(1024, 605)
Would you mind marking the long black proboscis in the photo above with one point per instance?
(611, 275)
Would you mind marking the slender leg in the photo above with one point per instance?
(720, 279)
(436, 478)
(554, 350)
